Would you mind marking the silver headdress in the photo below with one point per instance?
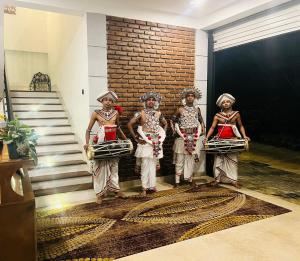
(194, 91)
(153, 95)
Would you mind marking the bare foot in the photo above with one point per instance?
(237, 185)
(99, 200)
(143, 193)
(120, 194)
(193, 184)
(213, 183)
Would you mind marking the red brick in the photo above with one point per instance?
(134, 44)
(120, 33)
(155, 29)
(143, 36)
(138, 40)
(143, 27)
(135, 26)
(150, 42)
(133, 63)
(140, 22)
(132, 35)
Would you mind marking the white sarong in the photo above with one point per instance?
(226, 167)
(105, 172)
(148, 161)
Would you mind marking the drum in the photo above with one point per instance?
(226, 145)
(110, 149)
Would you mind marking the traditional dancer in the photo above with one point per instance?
(105, 172)
(226, 165)
(149, 139)
(188, 124)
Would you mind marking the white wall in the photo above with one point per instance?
(67, 48)
(201, 53)
(26, 46)
(21, 66)
(97, 58)
(26, 31)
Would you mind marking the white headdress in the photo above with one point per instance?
(223, 97)
(107, 94)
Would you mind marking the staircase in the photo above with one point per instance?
(61, 171)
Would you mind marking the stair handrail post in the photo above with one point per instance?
(9, 111)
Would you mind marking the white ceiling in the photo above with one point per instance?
(192, 8)
(202, 14)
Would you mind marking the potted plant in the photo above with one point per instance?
(21, 140)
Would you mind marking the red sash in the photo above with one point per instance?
(225, 132)
(110, 132)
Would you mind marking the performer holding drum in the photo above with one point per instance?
(226, 161)
(187, 122)
(105, 171)
(149, 139)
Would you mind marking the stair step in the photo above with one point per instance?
(58, 164)
(40, 114)
(37, 100)
(38, 107)
(64, 199)
(39, 173)
(53, 159)
(36, 111)
(62, 185)
(57, 134)
(48, 125)
(56, 143)
(44, 118)
(52, 130)
(50, 153)
(15, 93)
(57, 176)
(56, 138)
(57, 148)
(45, 122)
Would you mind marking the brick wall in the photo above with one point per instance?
(144, 56)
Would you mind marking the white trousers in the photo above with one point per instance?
(184, 164)
(226, 167)
(148, 173)
(105, 176)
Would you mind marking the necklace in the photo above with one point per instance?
(107, 115)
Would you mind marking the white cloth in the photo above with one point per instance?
(224, 96)
(109, 94)
(184, 162)
(148, 173)
(226, 167)
(105, 172)
(105, 176)
(147, 159)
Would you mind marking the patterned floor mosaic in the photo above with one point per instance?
(122, 227)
